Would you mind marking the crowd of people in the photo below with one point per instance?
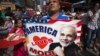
(12, 24)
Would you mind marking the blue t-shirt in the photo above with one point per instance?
(61, 16)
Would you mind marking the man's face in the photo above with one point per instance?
(67, 36)
(54, 5)
(97, 6)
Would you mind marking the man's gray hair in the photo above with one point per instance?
(73, 27)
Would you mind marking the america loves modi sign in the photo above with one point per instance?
(40, 36)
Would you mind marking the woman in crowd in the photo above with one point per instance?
(17, 33)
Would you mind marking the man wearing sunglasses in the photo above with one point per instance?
(54, 12)
(66, 45)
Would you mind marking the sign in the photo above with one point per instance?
(40, 36)
(4, 5)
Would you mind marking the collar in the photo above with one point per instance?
(59, 16)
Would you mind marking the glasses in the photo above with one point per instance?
(68, 35)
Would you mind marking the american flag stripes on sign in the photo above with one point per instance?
(76, 23)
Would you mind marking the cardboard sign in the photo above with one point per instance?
(40, 36)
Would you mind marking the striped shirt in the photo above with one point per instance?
(61, 16)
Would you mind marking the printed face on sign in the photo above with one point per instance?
(67, 35)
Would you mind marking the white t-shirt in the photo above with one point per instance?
(93, 23)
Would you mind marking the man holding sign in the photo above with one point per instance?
(54, 11)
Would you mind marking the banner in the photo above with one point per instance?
(40, 36)
(4, 5)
